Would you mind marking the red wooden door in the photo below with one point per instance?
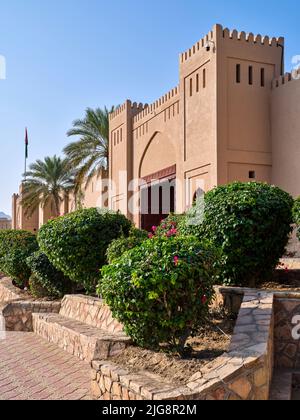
(157, 202)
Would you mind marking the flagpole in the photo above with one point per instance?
(26, 152)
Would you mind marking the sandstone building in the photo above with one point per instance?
(5, 222)
(92, 197)
(233, 116)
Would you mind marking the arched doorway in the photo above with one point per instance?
(158, 198)
(158, 173)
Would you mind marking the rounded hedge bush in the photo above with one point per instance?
(296, 212)
(76, 244)
(251, 224)
(119, 246)
(15, 247)
(36, 289)
(46, 280)
(161, 290)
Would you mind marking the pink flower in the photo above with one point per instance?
(172, 232)
(150, 236)
(176, 260)
(154, 228)
(204, 300)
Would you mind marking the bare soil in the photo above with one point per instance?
(210, 343)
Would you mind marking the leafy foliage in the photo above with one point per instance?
(15, 247)
(36, 288)
(171, 226)
(119, 246)
(46, 280)
(46, 183)
(161, 290)
(296, 212)
(251, 223)
(90, 152)
(76, 244)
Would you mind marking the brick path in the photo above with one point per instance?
(33, 369)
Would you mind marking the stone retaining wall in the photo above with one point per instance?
(229, 298)
(8, 292)
(18, 315)
(90, 311)
(244, 373)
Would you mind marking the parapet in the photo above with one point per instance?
(200, 45)
(219, 31)
(157, 105)
(288, 77)
(135, 109)
(252, 39)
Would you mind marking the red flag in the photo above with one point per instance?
(26, 144)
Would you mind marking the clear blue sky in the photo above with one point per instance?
(65, 55)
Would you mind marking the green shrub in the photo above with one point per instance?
(46, 280)
(119, 246)
(250, 223)
(76, 244)
(171, 226)
(36, 289)
(15, 247)
(296, 213)
(161, 290)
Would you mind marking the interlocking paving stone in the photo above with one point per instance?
(33, 369)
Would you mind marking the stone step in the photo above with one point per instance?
(282, 385)
(91, 311)
(79, 339)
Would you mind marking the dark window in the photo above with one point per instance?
(250, 75)
(172, 199)
(252, 175)
(191, 87)
(204, 79)
(238, 73)
(262, 77)
(197, 82)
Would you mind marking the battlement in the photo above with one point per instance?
(283, 80)
(135, 109)
(219, 31)
(251, 38)
(157, 105)
(200, 45)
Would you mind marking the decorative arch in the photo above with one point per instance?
(158, 155)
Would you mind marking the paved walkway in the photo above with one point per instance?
(33, 369)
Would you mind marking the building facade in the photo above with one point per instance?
(92, 196)
(233, 117)
(5, 223)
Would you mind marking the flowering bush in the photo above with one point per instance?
(171, 226)
(119, 246)
(161, 290)
(250, 223)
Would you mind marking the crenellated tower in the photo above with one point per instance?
(121, 154)
(246, 66)
(215, 127)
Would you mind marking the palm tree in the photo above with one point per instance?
(46, 183)
(89, 154)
